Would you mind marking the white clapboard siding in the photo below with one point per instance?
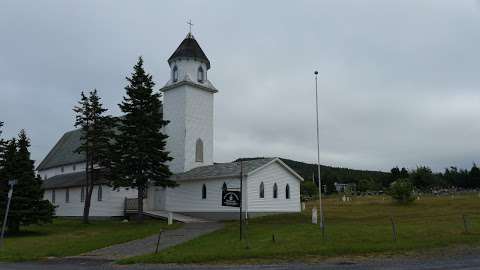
(112, 203)
(187, 197)
(273, 173)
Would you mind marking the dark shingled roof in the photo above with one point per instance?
(63, 152)
(75, 179)
(189, 48)
(221, 170)
(215, 171)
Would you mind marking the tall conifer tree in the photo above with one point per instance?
(141, 158)
(97, 132)
(27, 205)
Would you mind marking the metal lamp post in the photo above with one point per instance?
(322, 224)
(11, 183)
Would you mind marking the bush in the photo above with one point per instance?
(402, 191)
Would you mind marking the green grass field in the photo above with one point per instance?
(361, 227)
(67, 237)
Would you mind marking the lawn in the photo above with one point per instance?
(361, 227)
(67, 237)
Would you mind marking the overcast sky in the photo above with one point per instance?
(399, 81)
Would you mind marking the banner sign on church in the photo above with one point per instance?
(231, 198)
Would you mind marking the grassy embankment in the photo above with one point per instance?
(66, 237)
(360, 227)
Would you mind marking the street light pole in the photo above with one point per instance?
(11, 183)
(322, 224)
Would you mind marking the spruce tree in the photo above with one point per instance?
(27, 204)
(141, 158)
(97, 132)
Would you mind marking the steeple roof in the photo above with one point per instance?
(189, 48)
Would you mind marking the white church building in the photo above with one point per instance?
(268, 186)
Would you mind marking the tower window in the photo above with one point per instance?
(199, 151)
(287, 192)
(200, 75)
(175, 74)
(262, 191)
(204, 192)
(275, 191)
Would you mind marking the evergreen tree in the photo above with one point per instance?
(27, 204)
(474, 177)
(140, 144)
(97, 132)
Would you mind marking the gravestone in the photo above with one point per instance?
(170, 218)
(314, 215)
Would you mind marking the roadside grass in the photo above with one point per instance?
(68, 237)
(361, 227)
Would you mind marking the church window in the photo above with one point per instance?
(100, 193)
(82, 194)
(200, 75)
(62, 169)
(224, 187)
(199, 151)
(67, 195)
(175, 74)
(262, 190)
(275, 191)
(53, 195)
(287, 192)
(204, 192)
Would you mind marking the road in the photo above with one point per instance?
(465, 262)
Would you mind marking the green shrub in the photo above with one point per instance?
(402, 191)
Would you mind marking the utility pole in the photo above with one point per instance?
(11, 183)
(241, 199)
(322, 224)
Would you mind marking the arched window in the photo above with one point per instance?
(82, 194)
(175, 74)
(262, 190)
(67, 195)
(200, 74)
(275, 191)
(199, 151)
(100, 193)
(224, 187)
(287, 192)
(204, 192)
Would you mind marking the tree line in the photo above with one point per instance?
(422, 178)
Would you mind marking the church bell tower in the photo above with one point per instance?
(188, 105)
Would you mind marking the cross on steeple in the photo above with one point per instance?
(190, 24)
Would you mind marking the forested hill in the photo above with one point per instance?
(333, 174)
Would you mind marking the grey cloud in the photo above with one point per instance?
(398, 80)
